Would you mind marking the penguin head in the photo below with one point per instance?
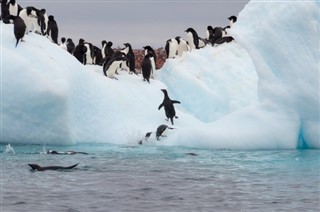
(178, 39)
(147, 47)
(34, 166)
(43, 11)
(103, 42)
(209, 28)
(51, 18)
(63, 39)
(190, 30)
(127, 45)
(12, 2)
(233, 18)
(69, 40)
(165, 92)
(81, 41)
(109, 44)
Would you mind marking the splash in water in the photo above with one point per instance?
(9, 149)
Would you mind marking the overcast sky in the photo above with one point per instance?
(140, 23)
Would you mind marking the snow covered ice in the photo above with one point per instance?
(261, 92)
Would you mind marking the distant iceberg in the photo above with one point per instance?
(261, 92)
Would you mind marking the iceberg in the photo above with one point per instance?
(260, 92)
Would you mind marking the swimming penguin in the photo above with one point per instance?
(63, 44)
(5, 12)
(19, 28)
(232, 19)
(149, 49)
(146, 67)
(168, 106)
(52, 30)
(130, 58)
(171, 48)
(29, 16)
(36, 167)
(70, 46)
(161, 131)
(54, 152)
(182, 46)
(192, 38)
(80, 51)
(113, 64)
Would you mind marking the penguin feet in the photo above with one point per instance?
(176, 117)
(166, 119)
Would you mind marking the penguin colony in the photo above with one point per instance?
(31, 19)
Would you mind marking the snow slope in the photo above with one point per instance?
(259, 93)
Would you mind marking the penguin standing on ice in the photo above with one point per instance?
(192, 38)
(171, 48)
(182, 46)
(70, 46)
(149, 49)
(130, 58)
(167, 103)
(52, 31)
(146, 67)
(27, 15)
(113, 64)
(232, 19)
(63, 43)
(89, 55)
(5, 12)
(13, 8)
(97, 55)
(46, 20)
(19, 27)
(80, 51)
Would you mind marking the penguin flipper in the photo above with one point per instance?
(175, 102)
(160, 106)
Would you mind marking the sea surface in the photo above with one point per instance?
(159, 178)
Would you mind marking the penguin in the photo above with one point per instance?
(70, 46)
(97, 55)
(130, 58)
(40, 25)
(63, 44)
(232, 19)
(217, 34)
(89, 54)
(36, 167)
(182, 46)
(171, 48)
(146, 66)
(103, 52)
(167, 103)
(5, 12)
(108, 50)
(209, 34)
(149, 49)
(192, 38)
(52, 30)
(19, 28)
(46, 20)
(113, 64)
(13, 8)
(161, 131)
(28, 15)
(80, 51)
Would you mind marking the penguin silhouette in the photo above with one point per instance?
(168, 106)
(146, 67)
(19, 27)
(53, 29)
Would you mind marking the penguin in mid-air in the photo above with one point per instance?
(192, 38)
(19, 27)
(149, 49)
(113, 64)
(70, 46)
(146, 67)
(161, 131)
(52, 30)
(167, 103)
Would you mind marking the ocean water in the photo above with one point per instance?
(160, 178)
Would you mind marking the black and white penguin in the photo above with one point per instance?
(70, 46)
(192, 38)
(130, 57)
(149, 49)
(226, 39)
(171, 48)
(63, 43)
(103, 47)
(209, 34)
(97, 55)
(19, 27)
(146, 67)
(5, 12)
(108, 50)
(52, 30)
(113, 64)
(89, 54)
(167, 103)
(232, 19)
(29, 16)
(13, 8)
(80, 51)
(46, 20)
(182, 46)
(161, 130)
(217, 34)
